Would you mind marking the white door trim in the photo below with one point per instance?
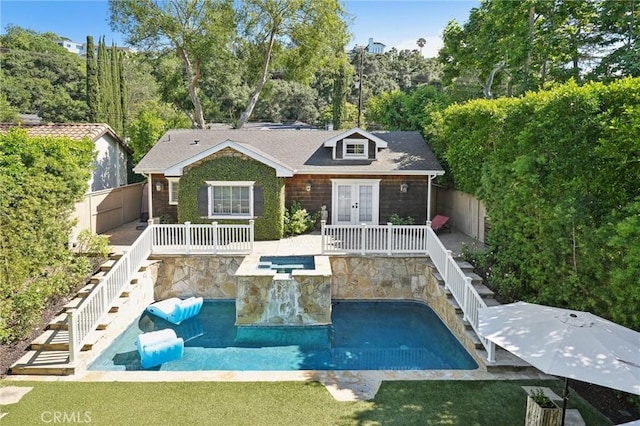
(356, 184)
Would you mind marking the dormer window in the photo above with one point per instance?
(355, 148)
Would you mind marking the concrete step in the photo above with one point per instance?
(465, 266)
(57, 340)
(118, 304)
(115, 256)
(49, 363)
(505, 362)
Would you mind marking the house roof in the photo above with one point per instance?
(301, 151)
(75, 131)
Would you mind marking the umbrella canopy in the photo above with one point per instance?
(562, 342)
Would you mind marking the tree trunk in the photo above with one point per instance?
(263, 79)
(193, 75)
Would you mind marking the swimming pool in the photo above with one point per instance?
(363, 336)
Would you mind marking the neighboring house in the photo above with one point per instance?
(236, 175)
(112, 154)
(375, 47)
(73, 46)
(107, 203)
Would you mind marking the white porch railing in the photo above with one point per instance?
(371, 239)
(390, 239)
(85, 318)
(188, 238)
(165, 239)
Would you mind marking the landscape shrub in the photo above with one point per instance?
(297, 220)
(41, 179)
(558, 172)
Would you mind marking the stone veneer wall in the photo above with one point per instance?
(354, 278)
(211, 277)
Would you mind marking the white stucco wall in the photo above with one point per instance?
(110, 165)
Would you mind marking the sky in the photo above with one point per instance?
(396, 24)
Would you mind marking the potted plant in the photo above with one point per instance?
(541, 410)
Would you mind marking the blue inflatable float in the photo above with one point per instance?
(176, 310)
(158, 347)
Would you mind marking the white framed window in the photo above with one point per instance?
(355, 148)
(230, 199)
(174, 185)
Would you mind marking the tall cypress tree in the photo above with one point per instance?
(116, 120)
(123, 94)
(93, 90)
(338, 97)
(103, 83)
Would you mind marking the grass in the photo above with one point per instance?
(281, 403)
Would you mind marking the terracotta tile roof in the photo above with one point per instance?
(75, 131)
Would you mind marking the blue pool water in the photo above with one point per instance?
(286, 263)
(363, 336)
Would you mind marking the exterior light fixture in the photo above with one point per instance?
(307, 187)
(404, 187)
(158, 185)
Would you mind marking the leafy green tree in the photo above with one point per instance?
(40, 77)
(151, 122)
(287, 101)
(41, 179)
(195, 30)
(297, 36)
(8, 113)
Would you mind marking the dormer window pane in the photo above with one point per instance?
(355, 148)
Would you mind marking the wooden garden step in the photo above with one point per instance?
(49, 363)
(59, 322)
(74, 303)
(84, 291)
(108, 319)
(118, 304)
(58, 340)
(106, 266)
(95, 279)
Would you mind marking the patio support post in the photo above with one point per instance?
(389, 237)
(150, 196)
(187, 236)
(251, 235)
(323, 223)
(363, 239)
(215, 236)
(447, 265)
(72, 324)
(465, 298)
(429, 201)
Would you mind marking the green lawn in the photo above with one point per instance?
(282, 403)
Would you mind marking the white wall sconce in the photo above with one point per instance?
(158, 185)
(307, 187)
(404, 187)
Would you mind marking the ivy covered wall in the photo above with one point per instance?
(229, 165)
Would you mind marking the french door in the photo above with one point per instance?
(355, 201)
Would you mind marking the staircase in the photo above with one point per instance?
(48, 354)
(505, 361)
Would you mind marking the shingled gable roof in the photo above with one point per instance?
(300, 151)
(75, 131)
(281, 169)
(331, 143)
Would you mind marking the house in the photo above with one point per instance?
(112, 154)
(375, 47)
(202, 176)
(109, 201)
